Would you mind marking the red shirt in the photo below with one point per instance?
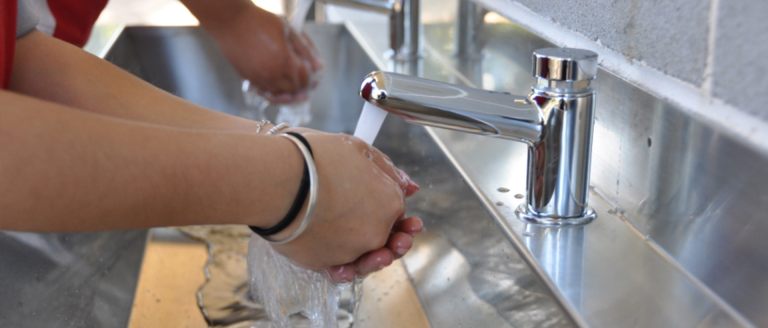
(7, 39)
(74, 21)
(75, 18)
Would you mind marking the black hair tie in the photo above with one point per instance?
(298, 202)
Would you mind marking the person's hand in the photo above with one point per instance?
(400, 241)
(280, 62)
(359, 224)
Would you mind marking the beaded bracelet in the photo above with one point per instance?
(308, 188)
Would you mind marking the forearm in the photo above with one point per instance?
(214, 14)
(68, 170)
(52, 70)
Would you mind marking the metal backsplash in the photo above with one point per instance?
(689, 187)
(681, 203)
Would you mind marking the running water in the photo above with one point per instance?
(369, 123)
(249, 285)
(297, 297)
(293, 296)
(299, 15)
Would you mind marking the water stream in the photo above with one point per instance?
(277, 292)
(299, 15)
(369, 123)
(248, 283)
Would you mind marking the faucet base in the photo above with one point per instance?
(525, 214)
(403, 56)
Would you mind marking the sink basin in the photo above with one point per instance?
(463, 271)
(68, 280)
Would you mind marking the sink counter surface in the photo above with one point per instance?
(462, 270)
(651, 257)
(676, 242)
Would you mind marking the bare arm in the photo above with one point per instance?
(66, 170)
(49, 69)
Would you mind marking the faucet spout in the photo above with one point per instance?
(404, 21)
(555, 121)
(454, 107)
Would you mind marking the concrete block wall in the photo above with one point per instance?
(740, 74)
(719, 46)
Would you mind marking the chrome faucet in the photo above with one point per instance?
(469, 25)
(555, 120)
(403, 23)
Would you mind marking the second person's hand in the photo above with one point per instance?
(280, 62)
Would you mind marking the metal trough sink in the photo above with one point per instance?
(462, 270)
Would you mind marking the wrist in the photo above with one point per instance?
(285, 167)
(304, 201)
(241, 178)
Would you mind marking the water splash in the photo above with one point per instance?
(293, 114)
(297, 297)
(241, 271)
(369, 124)
(296, 114)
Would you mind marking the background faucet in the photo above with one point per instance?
(469, 24)
(403, 23)
(555, 120)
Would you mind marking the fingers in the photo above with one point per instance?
(399, 243)
(296, 72)
(405, 182)
(304, 49)
(341, 273)
(366, 264)
(279, 89)
(300, 68)
(411, 225)
(412, 186)
(313, 57)
(374, 261)
(385, 164)
(287, 98)
(295, 76)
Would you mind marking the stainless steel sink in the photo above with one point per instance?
(68, 280)
(678, 241)
(463, 269)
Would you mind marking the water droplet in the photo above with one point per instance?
(519, 196)
(503, 189)
(499, 203)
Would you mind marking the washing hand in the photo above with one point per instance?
(280, 62)
(400, 241)
(359, 224)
